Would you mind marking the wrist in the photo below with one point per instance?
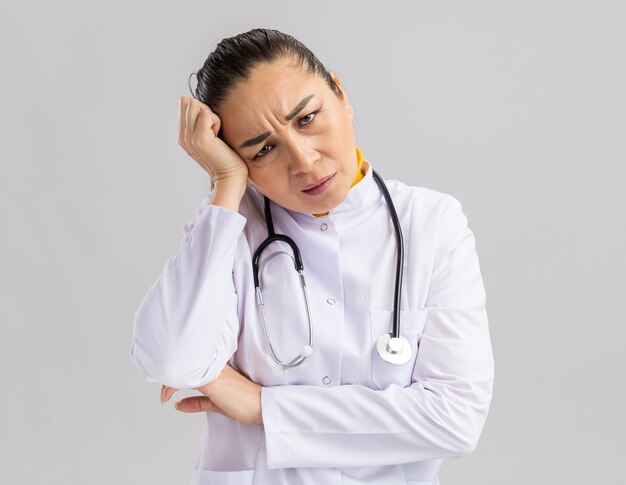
(230, 183)
(259, 419)
(228, 192)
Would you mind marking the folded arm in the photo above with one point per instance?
(186, 328)
(441, 414)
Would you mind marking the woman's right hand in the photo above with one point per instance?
(198, 127)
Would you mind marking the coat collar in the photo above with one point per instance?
(360, 195)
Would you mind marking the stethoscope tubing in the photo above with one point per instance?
(399, 254)
(299, 266)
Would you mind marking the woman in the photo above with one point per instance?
(287, 402)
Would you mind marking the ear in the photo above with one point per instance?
(345, 100)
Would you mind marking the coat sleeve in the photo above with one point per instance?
(186, 327)
(441, 414)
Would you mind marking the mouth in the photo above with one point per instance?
(319, 185)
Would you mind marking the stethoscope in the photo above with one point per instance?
(392, 347)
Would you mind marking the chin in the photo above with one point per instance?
(325, 206)
(330, 205)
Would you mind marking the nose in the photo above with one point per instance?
(302, 156)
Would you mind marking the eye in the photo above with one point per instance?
(308, 118)
(262, 153)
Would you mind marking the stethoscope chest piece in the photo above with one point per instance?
(394, 350)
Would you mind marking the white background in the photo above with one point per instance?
(518, 109)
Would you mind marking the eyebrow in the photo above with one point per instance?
(258, 139)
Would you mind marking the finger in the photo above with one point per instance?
(191, 119)
(167, 393)
(208, 120)
(182, 120)
(197, 404)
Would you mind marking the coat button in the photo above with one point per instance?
(326, 380)
(324, 226)
(330, 301)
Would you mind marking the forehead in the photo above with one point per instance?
(271, 89)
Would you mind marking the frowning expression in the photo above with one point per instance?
(295, 135)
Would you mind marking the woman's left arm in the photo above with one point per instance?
(441, 414)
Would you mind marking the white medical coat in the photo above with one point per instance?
(344, 416)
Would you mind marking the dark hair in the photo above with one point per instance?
(234, 58)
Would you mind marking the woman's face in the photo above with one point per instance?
(294, 133)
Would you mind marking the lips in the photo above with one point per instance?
(318, 182)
